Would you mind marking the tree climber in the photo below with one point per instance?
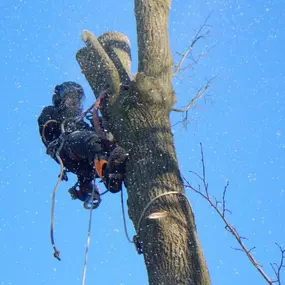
(83, 151)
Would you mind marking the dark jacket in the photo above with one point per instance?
(80, 143)
(50, 124)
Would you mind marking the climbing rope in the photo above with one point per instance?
(136, 240)
(88, 236)
(44, 128)
(56, 251)
(154, 199)
(124, 218)
(60, 178)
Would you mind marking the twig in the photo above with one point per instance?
(199, 35)
(224, 199)
(200, 93)
(214, 204)
(278, 267)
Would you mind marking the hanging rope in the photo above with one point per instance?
(136, 240)
(88, 236)
(154, 199)
(56, 251)
(44, 128)
(124, 218)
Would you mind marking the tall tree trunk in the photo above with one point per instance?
(138, 115)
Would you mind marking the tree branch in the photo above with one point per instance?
(201, 92)
(153, 44)
(278, 267)
(200, 34)
(214, 204)
(96, 58)
(117, 46)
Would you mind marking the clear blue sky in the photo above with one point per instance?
(241, 126)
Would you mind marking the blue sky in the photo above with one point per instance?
(241, 126)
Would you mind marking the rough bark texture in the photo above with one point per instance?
(138, 116)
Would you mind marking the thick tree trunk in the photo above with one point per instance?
(138, 116)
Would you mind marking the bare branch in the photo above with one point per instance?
(200, 177)
(224, 199)
(251, 249)
(278, 267)
(216, 201)
(214, 204)
(237, 249)
(195, 61)
(201, 93)
(200, 34)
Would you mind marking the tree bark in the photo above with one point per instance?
(138, 116)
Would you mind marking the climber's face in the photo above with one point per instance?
(72, 102)
(71, 105)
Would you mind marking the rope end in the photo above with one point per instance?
(56, 255)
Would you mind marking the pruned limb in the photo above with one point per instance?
(117, 46)
(214, 204)
(195, 60)
(96, 58)
(200, 34)
(105, 63)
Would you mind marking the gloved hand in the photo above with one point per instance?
(117, 159)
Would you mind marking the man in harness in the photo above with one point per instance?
(82, 151)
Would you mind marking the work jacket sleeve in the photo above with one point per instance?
(49, 125)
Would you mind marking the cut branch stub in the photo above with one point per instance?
(105, 62)
(88, 64)
(117, 46)
(97, 66)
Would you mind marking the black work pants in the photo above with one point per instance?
(79, 151)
